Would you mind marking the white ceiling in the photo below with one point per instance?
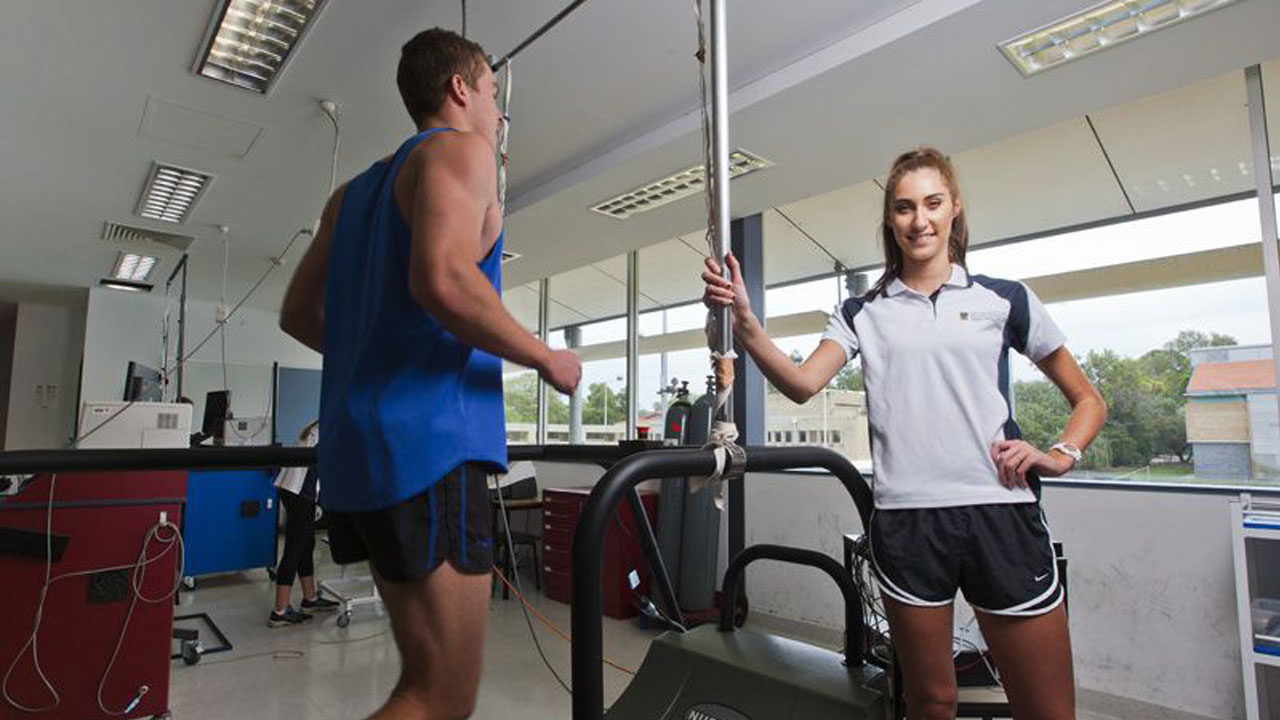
(828, 89)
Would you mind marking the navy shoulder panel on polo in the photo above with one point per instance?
(850, 309)
(1018, 326)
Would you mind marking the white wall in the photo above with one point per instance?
(8, 323)
(123, 326)
(45, 371)
(1152, 594)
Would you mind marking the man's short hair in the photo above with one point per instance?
(427, 64)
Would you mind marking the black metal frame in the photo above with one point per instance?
(621, 480)
(497, 64)
(854, 627)
(629, 463)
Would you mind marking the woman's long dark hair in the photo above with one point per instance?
(958, 245)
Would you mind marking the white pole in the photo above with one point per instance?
(720, 161)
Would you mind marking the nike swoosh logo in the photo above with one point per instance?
(1041, 577)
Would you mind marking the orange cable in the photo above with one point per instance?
(552, 626)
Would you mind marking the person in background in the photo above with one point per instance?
(298, 488)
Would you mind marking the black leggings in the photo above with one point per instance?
(299, 538)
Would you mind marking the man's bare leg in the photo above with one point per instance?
(439, 626)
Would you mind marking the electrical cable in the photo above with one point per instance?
(551, 625)
(273, 654)
(504, 141)
(506, 526)
(222, 303)
(137, 581)
(709, 180)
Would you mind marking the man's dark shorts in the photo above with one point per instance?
(451, 520)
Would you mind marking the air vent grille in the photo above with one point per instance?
(113, 232)
(171, 192)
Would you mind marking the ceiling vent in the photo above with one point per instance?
(171, 192)
(676, 186)
(134, 235)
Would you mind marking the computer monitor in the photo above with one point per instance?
(142, 384)
(217, 404)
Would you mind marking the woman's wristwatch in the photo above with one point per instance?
(1069, 450)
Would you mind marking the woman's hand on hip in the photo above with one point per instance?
(1015, 458)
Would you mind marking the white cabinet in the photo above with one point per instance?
(1255, 531)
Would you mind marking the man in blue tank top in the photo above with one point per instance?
(401, 293)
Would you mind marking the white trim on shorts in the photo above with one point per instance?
(887, 586)
(1020, 610)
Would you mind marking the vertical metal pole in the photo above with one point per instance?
(633, 342)
(577, 435)
(662, 359)
(1266, 206)
(748, 400)
(182, 325)
(544, 307)
(720, 160)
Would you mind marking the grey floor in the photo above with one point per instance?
(320, 671)
(323, 672)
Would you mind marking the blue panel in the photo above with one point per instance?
(221, 530)
(297, 402)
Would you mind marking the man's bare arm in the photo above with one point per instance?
(456, 184)
(302, 313)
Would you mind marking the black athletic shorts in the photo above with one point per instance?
(1000, 556)
(451, 520)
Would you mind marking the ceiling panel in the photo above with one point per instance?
(1180, 146)
(670, 272)
(522, 302)
(1036, 181)
(591, 292)
(788, 253)
(844, 221)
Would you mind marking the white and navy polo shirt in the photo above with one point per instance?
(937, 381)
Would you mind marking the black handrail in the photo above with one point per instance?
(611, 489)
(854, 630)
(21, 462)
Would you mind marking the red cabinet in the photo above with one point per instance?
(100, 523)
(621, 551)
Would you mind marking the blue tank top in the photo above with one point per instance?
(402, 401)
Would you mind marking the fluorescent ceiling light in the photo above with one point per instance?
(1098, 28)
(133, 267)
(125, 285)
(250, 41)
(676, 186)
(171, 192)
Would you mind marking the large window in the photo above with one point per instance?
(588, 313)
(520, 385)
(1180, 365)
(1164, 305)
